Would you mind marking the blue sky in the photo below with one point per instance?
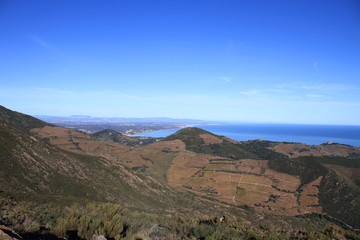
(293, 61)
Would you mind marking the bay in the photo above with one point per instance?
(308, 134)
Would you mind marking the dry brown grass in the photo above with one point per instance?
(239, 182)
(300, 149)
(59, 132)
(245, 181)
(174, 145)
(79, 142)
(309, 198)
(210, 139)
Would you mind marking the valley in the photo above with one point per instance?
(191, 174)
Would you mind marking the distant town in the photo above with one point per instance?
(126, 126)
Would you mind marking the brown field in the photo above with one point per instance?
(246, 181)
(60, 141)
(59, 132)
(300, 149)
(210, 139)
(79, 142)
(282, 180)
(174, 145)
(309, 198)
(240, 182)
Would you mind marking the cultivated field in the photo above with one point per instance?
(225, 181)
(243, 182)
(300, 149)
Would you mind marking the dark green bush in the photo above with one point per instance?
(103, 219)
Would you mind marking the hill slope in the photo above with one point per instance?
(20, 120)
(208, 175)
(253, 173)
(32, 167)
(111, 135)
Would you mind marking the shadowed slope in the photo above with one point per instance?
(20, 120)
(32, 167)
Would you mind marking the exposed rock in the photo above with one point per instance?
(8, 234)
(98, 237)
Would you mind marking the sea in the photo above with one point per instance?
(308, 134)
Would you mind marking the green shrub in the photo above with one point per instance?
(103, 219)
(215, 236)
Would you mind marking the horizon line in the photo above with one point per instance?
(194, 119)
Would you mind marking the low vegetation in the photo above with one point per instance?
(191, 185)
(21, 121)
(117, 222)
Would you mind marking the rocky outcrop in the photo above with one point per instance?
(98, 237)
(8, 234)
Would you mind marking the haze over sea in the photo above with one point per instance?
(308, 134)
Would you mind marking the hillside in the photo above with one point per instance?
(294, 150)
(215, 168)
(20, 120)
(33, 167)
(111, 135)
(63, 179)
(254, 174)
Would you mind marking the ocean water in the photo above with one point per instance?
(309, 134)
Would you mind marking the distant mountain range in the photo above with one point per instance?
(118, 119)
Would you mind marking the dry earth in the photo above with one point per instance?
(300, 149)
(235, 182)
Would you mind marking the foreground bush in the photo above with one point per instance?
(102, 219)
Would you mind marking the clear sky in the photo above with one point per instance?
(288, 61)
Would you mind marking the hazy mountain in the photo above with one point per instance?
(119, 119)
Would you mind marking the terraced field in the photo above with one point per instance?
(243, 182)
(82, 143)
(223, 180)
(142, 158)
(294, 150)
(224, 171)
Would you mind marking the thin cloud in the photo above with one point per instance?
(250, 92)
(315, 95)
(41, 42)
(263, 92)
(226, 79)
(47, 46)
(329, 87)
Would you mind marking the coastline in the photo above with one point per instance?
(308, 134)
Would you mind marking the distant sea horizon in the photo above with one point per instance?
(300, 133)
